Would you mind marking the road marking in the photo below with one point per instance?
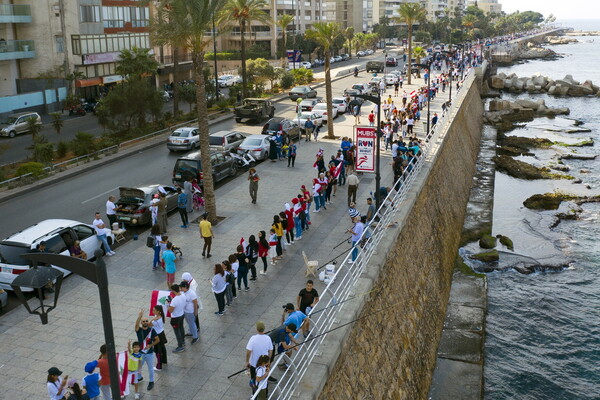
(101, 194)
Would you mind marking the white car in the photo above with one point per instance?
(390, 79)
(58, 234)
(229, 80)
(332, 60)
(321, 109)
(257, 145)
(314, 117)
(360, 53)
(340, 103)
(338, 58)
(301, 64)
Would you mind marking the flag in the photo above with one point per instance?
(243, 243)
(163, 298)
(122, 358)
(338, 170)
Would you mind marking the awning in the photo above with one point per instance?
(88, 82)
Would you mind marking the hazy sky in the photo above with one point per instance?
(562, 9)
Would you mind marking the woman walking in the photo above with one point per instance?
(278, 228)
(263, 250)
(252, 254)
(218, 288)
(158, 324)
(155, 235)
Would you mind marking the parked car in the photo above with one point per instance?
(302, 92)
(314, 117)
(226, 140)
(369, 52)
(133, 206)
(280, 124)
(257, 145)
(186, 138)
(255, 109)
(308, 104)
(345, 56)
(305, 64)
(190, 166)
(340, 104)
(318, 62)
(332, 60)
(58, 234)
(360, 54)
(360, 87)
(17, 123)
(3, 299)
(338, 58)
(229, 80)
(390, 79)
(321, 109)
(391, 62)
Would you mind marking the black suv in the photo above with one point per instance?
(223, 165)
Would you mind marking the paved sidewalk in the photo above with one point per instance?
(74, 332)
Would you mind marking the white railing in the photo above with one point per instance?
(342, 285)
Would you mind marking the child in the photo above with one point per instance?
(133, 365)
(76, 392)
(163, 246)
(262, 371)
(91, 382)
(235, 264)
(169, 259)
(273, 245)
(229, 282)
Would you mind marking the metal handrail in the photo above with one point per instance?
(342, 285)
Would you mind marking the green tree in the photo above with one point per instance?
(71, 78)
(283, 22)
(188, 94)
(325, 33)
(192, 19)
(34, 127)
(242, 13)
(57, 122)
(419, 53)
(349, 36)
(410, 13)
(83, 144)
(136, 63)
(259, 72)
(423, 36)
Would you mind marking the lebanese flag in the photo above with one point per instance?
(244, 244)
(162, 298)
(338, 170)
(122, 358)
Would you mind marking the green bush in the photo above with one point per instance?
(34, 168)
(43, 152)
(302, 76)
(83, 144)
(287, 80)
(62, 148)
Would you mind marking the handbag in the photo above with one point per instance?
(150, 241)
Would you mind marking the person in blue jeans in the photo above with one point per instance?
(155, 234)
(148, 338)
(101, 234)
(356, 232)
(91, 382)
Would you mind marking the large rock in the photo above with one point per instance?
(569, 78)
(549, 84)
(526, 103)
(563, 83)
(552, 90)
(497, 82)
(579, 90)
(588, 84)
(562, 90)
(519, 84)
(540, 80)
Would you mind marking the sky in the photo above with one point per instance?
(571, 9)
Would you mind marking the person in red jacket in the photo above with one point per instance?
(289, 216)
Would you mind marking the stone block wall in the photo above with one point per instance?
(392, 353)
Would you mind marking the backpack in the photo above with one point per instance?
(150, 241)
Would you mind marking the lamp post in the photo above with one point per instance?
(376, 100)
(450, 73)
(214, 35)
(429, 91)
(38, 277)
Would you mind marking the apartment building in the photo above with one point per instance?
(440, 8)
(487, 6)
(45, 38)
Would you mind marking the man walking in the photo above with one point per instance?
(190, 311)
(111, 210)
(258, 345)
(101, 234)
(182, 202)
(207, 235)
(176, 308)
(253, 179)
(352, 182)
(147, 338)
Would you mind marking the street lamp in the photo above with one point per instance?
(214, 37)
(429, 91)
(38, 277)
(376, 100)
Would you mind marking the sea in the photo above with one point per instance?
(543, 329)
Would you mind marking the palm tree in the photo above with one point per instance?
(409, 14)
(282, 22)
(242, 13)
(187, 22)
(349, 36)
(325, 34)
(419, 52)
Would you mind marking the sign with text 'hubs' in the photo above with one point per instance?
(365, 137)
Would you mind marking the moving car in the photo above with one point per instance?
(391, 62)
(229, 80)
(186, 138)
(226, 140)
(390, 79)
(360, 87)
(302, 92)
(280, 124)
(18, 123)
(223, 165)
(255, 109)
(321, 109)
(133, 206)
(314, 117)
(377, 66)
(340, 103)
(58, 234)
(257, 145)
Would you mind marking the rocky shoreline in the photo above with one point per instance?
(542, 84)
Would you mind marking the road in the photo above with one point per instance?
(79, 197)
(16, 149)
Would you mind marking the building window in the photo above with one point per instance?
(139, 17)
(89, 13)
(89, 44)
(115, 17)
(60, 44)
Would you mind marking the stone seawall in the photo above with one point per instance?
(392, 353)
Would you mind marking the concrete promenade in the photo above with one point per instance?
(74, 332)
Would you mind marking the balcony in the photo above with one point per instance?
(16, 49)
(15, 14)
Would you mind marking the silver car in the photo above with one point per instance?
(18, 123)
(257, 145)
(186, 138)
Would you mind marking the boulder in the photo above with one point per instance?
(588, 84)
(519, 84)
(497, 82)
(578, 91)
(552, 90)
(506, 241)
(540, 80)
(488, 256)
(487, 242)
(562, 90)
(511, 75)
(595, 89)
(526, 103)
(563, 83)
(569, 78)
(501, 75)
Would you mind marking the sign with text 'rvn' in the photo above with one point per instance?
(365, 137)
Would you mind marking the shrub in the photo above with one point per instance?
(302, 76)
(83, 144)
(287, 80)
(43, 152)
(34, 168)
(62, 148)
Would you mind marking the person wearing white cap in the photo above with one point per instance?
(194, 288)
(356, 232)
